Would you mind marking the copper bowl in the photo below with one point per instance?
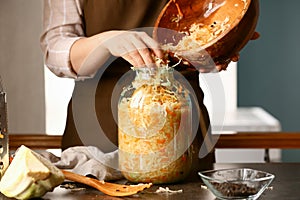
(239, 17)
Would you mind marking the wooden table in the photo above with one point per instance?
(265, 140)
(285, 186)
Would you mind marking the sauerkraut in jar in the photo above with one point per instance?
(155, 131)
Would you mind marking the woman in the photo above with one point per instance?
(80, 35)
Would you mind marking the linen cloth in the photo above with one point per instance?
(88, 160)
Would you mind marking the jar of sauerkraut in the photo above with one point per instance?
(155, 131)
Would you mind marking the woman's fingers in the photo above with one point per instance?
(137, 48)
(235, 57)
(255, 36)
(152, 44)
(140, 51)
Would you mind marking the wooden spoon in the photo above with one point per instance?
(111, 189)
(239, 18)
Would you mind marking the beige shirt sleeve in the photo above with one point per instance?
(62, 26)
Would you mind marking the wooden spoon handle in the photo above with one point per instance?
(111, 189)
(80, 179)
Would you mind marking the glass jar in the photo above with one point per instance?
(155, 130)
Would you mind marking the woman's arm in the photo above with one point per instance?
(139, 49)
(69, 53)
(62, 26)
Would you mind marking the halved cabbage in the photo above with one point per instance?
(29, 175)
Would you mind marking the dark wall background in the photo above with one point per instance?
(269, 68)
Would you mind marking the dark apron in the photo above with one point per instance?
(104, 15)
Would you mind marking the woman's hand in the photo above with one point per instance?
(88, 54)
(236, 57)
(138, 48)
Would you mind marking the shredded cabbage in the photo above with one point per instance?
(198, 35)
(154, 136)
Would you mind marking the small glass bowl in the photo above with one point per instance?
(237, 183)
